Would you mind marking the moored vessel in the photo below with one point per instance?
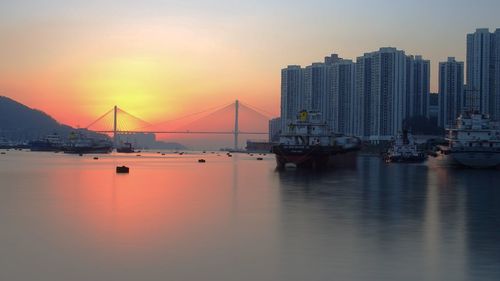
(51, 142)
(309, 143)
(80, 144)
(125, 148)
(474, 142)
(404, 150)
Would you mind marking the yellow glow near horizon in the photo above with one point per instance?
(134, 84)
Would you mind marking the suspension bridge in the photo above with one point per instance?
(116, 121)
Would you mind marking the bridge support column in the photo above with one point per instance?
(236, 107)
(115, 137)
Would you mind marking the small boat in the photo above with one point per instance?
(404, 150)
(125, 148)
(122, 170)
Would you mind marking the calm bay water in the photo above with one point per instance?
(64, 217)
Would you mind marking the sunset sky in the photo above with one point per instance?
(162, 59)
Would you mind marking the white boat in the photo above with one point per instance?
(474, 142)
(404, 149)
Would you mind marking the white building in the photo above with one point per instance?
(451, 91)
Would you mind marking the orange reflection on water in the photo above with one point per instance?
(157, 204)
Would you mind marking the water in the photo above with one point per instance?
(65, 217)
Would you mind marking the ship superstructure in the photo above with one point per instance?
(310, 143)
(474, 142)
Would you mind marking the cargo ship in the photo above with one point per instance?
(309, 142)
(474, 142)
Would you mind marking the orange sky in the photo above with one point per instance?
(162, 59)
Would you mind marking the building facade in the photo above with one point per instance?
(381, 92)
(418, 74)
(370, 98)
(451, 91)
(292, 94)
(342, 108)
(483, 71)
(274, 129)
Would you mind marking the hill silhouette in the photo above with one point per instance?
(19, 122)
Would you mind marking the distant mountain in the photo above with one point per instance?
(19, 122)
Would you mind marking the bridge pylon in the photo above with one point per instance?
(236, 129)
(115, 136)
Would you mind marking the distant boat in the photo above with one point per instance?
(125, 148)
(52, 142)
(4, 144)
(79, 144)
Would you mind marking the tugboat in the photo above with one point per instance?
(474, 142)
(50, 143)
(80, 144)
(309, 143)
(125, 148)
(404, 150)
(4, 144)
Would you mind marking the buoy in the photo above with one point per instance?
(138, 155)
(201, 161)
(80, 154)
(122, 170)
(229, 155)
(95, 158)
(163, 154)
(2, 152)
(251, 154)
(260, 158)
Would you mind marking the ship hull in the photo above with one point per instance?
(476, 159)
(88, 150)
(42, 146)
(405, 159)
(314, 156)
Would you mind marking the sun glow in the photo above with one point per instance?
(135, 84)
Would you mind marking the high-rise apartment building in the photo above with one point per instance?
(451, 91)
(292, 94)
(381, 93)
(418, 73)
(342, 106)
(483, 71)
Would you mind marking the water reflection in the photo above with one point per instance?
(72, 218)
(394, 222)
